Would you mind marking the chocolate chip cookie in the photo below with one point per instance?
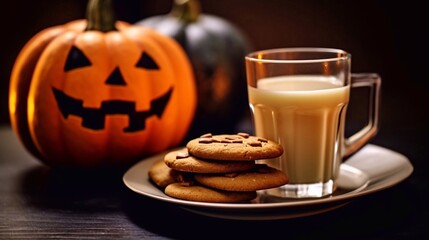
(259, 177)
(205, 194)
(181, 160)
(237, 147)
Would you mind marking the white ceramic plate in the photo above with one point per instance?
(372, 169)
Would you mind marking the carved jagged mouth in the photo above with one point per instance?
(94, 118)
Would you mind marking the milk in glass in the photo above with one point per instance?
(306, 115)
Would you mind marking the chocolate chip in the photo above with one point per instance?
(254, 143)
(232, 137)
(262, 140)
(207, 135)
(205, 140)
(182, 155)
(242, 134)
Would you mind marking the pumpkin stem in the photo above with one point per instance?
(186, 10)
(100, 16)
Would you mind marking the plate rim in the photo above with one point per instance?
(372, 187)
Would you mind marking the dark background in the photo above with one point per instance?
(386, 37)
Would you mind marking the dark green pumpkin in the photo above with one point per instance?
(216, 49)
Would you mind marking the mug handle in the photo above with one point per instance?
(360, 138)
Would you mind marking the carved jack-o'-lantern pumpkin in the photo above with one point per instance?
(98, 92)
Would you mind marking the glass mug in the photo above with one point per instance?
(298, 97)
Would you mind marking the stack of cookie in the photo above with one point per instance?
(219, 168)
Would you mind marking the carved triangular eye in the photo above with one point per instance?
(76, 59)
(146, 62)
(116, 78)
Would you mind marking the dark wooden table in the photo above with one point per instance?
(39, 202)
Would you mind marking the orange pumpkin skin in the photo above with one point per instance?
(123, 124)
